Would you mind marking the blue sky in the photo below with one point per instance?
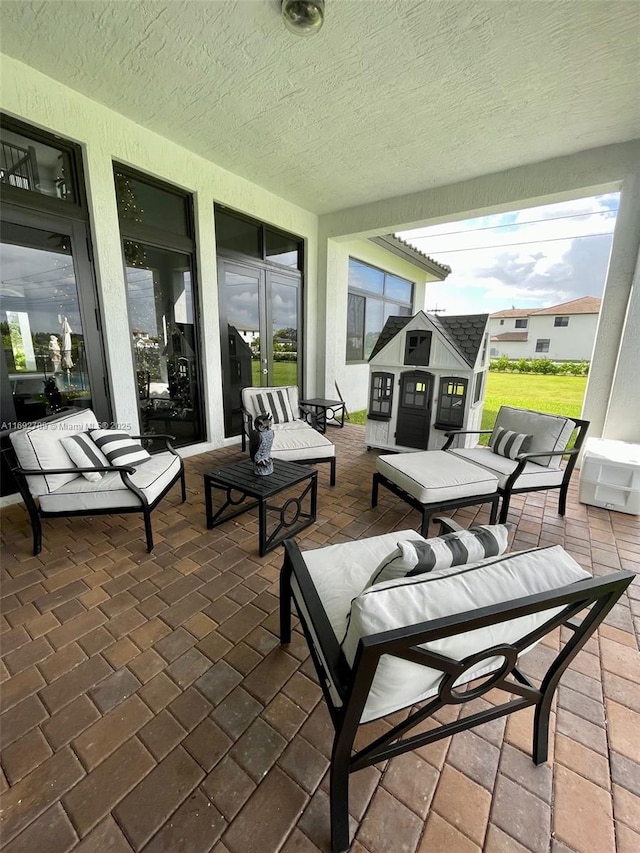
(532, 258)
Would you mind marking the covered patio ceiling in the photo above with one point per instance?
(390, 97)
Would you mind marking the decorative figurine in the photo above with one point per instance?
(54, 353)
(260, 443)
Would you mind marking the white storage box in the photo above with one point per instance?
(610, 475)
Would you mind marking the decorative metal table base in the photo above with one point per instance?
(243, 491)
(318, 412)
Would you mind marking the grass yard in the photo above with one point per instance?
(559, 395)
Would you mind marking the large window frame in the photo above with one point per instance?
(367, 309)
(543, 344)
(156, 238)
(561, 322)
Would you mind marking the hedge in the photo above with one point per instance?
(539, 365)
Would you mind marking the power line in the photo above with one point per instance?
(517, 224)
(525, 243)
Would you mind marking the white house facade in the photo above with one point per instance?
(565, 332)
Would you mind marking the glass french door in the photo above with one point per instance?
(260, 326)
(52, 350)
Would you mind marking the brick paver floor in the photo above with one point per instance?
(148, 706)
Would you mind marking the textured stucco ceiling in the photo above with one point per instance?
(391, 97)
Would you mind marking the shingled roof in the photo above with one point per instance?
(464, 333)
(389, 331)
(511, 336)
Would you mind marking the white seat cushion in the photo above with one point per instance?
(433, 476)
(297, 440)
(39, 446)
(412, 601)
(110, 493)
(532, 476)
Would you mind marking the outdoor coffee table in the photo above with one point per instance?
(242, 490)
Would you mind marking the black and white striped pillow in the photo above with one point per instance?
(119, 447)
(413, 557)
(276, 403)
(84, 454)
(507, 443)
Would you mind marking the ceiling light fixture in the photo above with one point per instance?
(303, 17)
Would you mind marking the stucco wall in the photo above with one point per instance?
(106, 136)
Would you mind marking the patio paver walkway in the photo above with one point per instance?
(147, 705)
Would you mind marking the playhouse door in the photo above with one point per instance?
(414, 409)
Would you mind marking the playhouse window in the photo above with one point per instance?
(417, 348)
(451, 400)
(477, 388)
(381, 396)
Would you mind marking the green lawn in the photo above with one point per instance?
(560, 395)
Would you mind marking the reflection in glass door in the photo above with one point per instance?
(259, 313)
(44, 339)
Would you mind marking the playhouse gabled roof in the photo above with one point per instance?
(464, 333)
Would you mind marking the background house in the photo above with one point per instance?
(427, 376)
(565, 332)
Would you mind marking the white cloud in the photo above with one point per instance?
(531, 258)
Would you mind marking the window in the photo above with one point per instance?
(374, 296)
(32, 161)
(561, 321)
(381, 396)
(522, 323)
(502, 322)
(485, 347)
(477, 388)
(162, 303)
(417, 348)
(451, 401)
(237, 235)
(542, 345)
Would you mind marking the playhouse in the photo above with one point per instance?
(426, 376)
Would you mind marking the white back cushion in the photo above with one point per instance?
(550, 432)
(39, 446)
(410, 601)
(280, 402)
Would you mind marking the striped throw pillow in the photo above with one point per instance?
(119, 447)
(276, 403)
(412, 558)
(85, 454)
(507, 443)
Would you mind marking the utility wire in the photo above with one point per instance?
(445, 252)
(517, 224)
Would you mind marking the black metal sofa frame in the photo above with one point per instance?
(146, 508)
(510, 487)
(352, 684)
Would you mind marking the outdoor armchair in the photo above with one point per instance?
(422, 642)
(294, 439)
(51, 484)
(525, 452)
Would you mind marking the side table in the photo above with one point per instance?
(318, 412)
(243, 490)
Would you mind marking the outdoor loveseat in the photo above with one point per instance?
(399, 622)
(294, 439)
(525, 453)
(67, 465)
